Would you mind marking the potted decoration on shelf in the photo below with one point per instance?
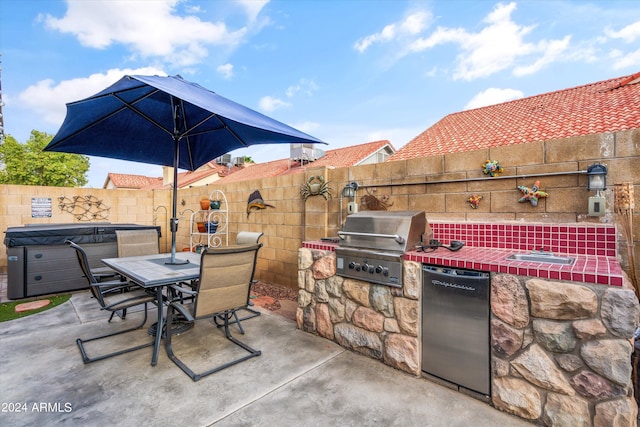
(204, 203)
(212, 227)
(215, 204)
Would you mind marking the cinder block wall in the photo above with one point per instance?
(123, 206)
(414, 184)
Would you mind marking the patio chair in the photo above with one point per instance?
(130, 243)
(248, 238)
(226, 274)
(111, 298)
(242, 238)
(137, 242)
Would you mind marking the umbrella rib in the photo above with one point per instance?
(140, 113)
(115, 112)
(223, 127)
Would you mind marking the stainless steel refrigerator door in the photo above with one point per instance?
(455, 326)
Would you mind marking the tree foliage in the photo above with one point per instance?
(27, 164)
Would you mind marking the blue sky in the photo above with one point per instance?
(347, 72)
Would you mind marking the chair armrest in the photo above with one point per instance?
(183, 290)
(113, 286)
(182, 310)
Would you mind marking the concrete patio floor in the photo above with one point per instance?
(300, 379)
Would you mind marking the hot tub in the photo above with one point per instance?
(40, 263)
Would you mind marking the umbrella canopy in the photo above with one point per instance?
(165, 121)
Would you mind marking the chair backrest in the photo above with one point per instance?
(137, 242)
(225, 278)
(86, 271)
(247, 237)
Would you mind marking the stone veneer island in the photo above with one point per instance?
(561, 351)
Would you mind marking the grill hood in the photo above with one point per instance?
(395, 231)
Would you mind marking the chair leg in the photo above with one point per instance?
(235, 316)
(254, 313)
(197, 376)
(114, 313)
(86, 359)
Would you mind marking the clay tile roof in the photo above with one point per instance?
(123, 180)
(606, 106)
(187, 178)
(339, 157)
(350, 156)
(259, 170)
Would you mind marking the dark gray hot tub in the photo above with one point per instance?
(40, 263)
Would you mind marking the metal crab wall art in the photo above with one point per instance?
(373, 203)
(316, 186)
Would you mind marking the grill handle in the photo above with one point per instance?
(396, 237)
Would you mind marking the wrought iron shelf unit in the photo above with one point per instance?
(202, 230)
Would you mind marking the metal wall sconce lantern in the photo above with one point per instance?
(350, 189)
(349, 192)
(597, 177)
(597, 181)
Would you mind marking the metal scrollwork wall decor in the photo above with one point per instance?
(84, 208)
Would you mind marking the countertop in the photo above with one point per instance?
(586, 268)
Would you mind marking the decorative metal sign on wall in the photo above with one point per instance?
(84, 208)
(41, 207)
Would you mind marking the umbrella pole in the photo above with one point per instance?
(174, 216)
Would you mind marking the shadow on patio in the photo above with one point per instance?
(299, 379)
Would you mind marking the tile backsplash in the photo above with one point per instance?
(577, 239)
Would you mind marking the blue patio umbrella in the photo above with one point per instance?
(165, 121)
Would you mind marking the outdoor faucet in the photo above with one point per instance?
(541, 251)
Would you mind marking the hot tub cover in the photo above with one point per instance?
(56, 234)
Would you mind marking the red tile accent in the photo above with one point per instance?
(593, 246)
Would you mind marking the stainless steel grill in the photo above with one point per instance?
(373, 243)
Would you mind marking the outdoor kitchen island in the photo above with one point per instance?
(560, 347)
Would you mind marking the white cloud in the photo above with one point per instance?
(629, 59)
(413, 24)
(629, 33)
(552, 51)
(499, 45)
(253, 7)
(270, 104)
(493, 96)
(47, 99)
(304, 86)
(494, 48)
(307, 127)
(148, 28)
(225, 70)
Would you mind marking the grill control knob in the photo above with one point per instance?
(352, 265)
(383, 270)
(365, 266)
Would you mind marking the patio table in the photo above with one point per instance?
(155, 272)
